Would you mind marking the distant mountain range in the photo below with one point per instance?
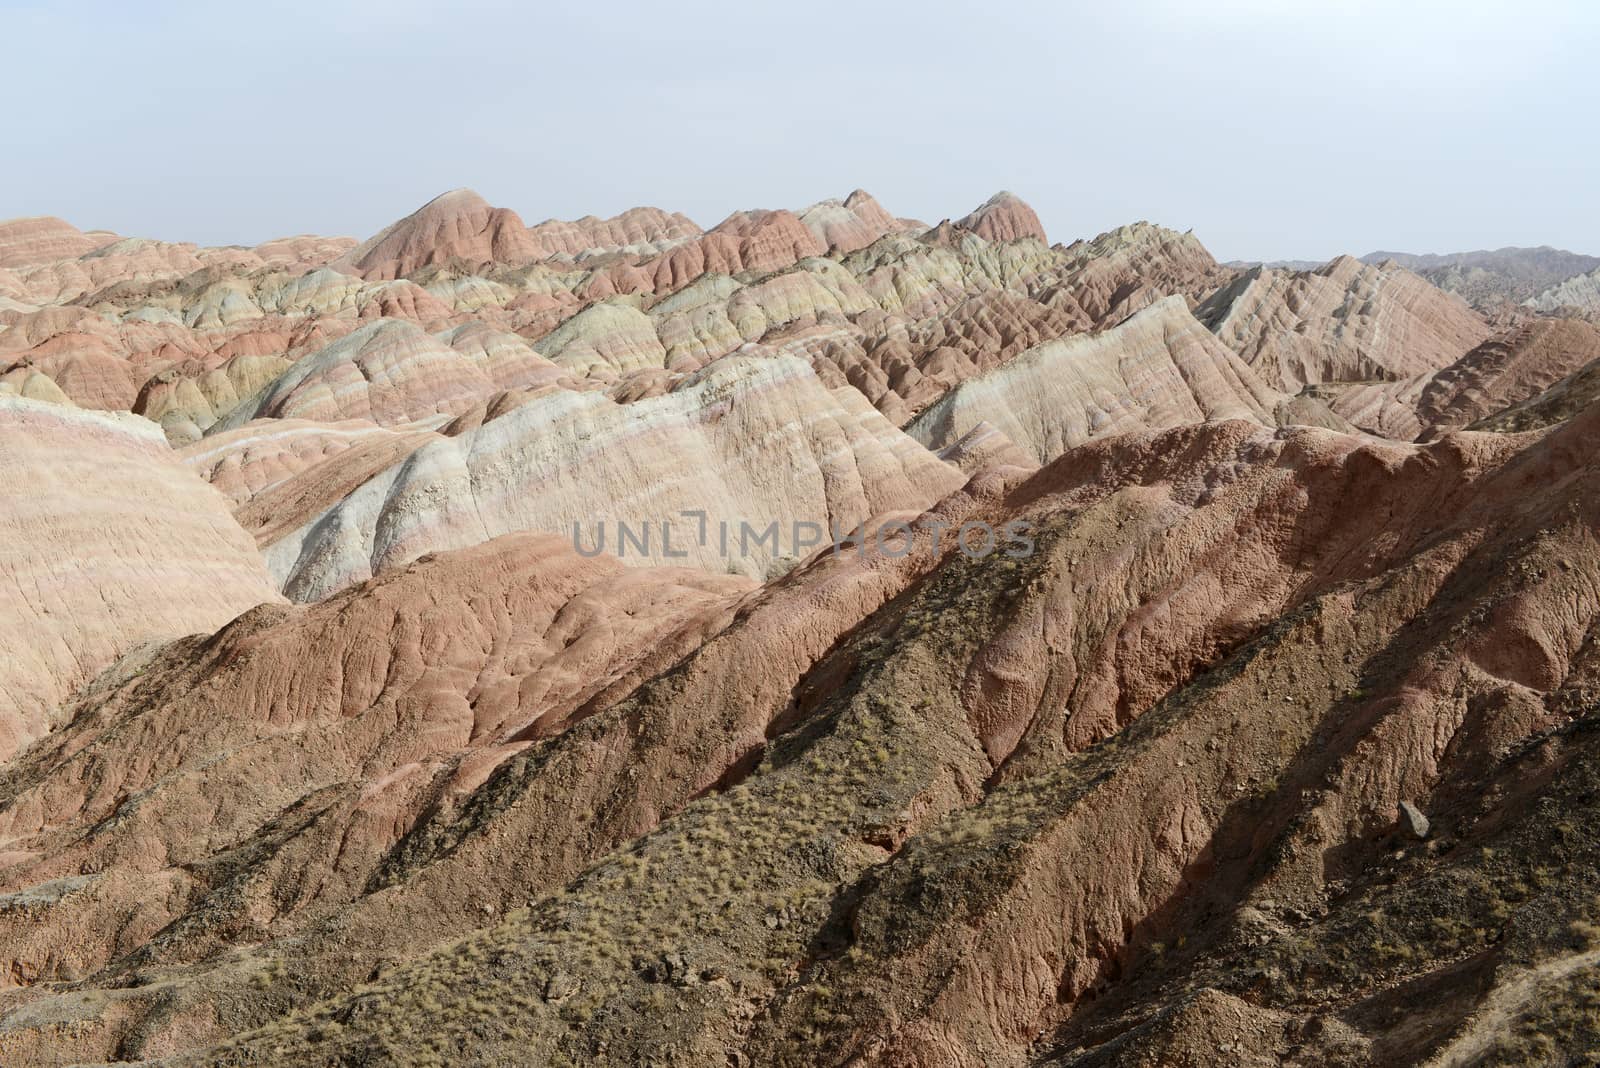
(1275, 265)
(1511, 260)
(1485, 278)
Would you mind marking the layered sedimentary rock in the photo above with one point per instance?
(32, 384)
(1125, 269)
(635, 230)
(744, 241)
(983, 447)
(188, 404)
(1561, 401)
(898, 312)
(1344, 322)
(509, 360)
(25, 242)
(1160, 368)
(121, 261)
(846, 225)
(280, 473)
(372, 707)
(1004, 217)
(105, 543)
(1152, 715)
(607, 339)
(456, 225)
(1131, 792)
(1187, 853)
(1581, 292)
(86, 369)
(951, 304)
(1513, 367)
(392, 372)
(754, 443)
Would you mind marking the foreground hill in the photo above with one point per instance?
(1134, 788)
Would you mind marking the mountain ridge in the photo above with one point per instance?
(1082, 654)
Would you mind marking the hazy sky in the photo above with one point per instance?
(1271, 129)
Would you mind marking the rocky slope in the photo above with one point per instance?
(1207, 675)
(106, 543)
(1579, 292)
(1346, 321)
(1134, 788)
(1556, 404)
(24, 242)
(1515, 366)
(751, 444)
(1160, 368)
(458, 225)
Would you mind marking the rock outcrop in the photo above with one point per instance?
(189, 336)
(280, 473)
(849, 224)
(636, 230)
(606, 339)
(1561, 401)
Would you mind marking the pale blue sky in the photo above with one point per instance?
(1273, 129)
